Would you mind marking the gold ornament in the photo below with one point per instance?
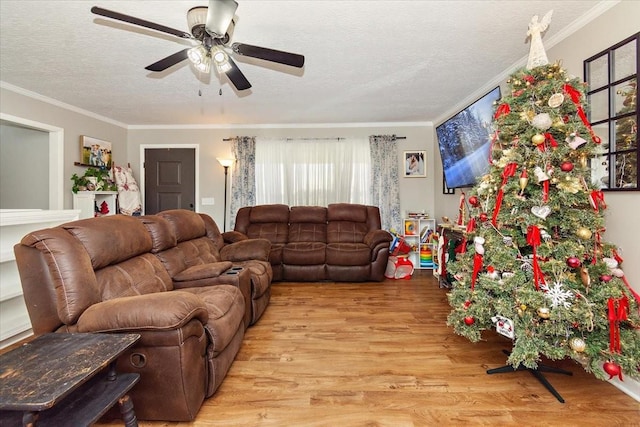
(584, 277)
(544, 312)
(555, 100)
(558, 124)
(577, 344)
(583, 233)
(523, 307)
(570, 185)
(538, 139)
(583, 160)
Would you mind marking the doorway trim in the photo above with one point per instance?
(56, 157)
(196, 170)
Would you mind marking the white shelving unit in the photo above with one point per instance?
(15, 224)
(86, 202)
(417, 232)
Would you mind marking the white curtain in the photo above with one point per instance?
(312, 172)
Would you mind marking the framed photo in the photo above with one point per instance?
(414, 164)
(445, 189)
(95, 152)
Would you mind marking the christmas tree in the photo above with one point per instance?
(534, 264)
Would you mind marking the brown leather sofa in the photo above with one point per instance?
(342, 242)
(169, 278)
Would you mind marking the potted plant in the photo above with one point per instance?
(94, 179)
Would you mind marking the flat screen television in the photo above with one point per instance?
(465, 140)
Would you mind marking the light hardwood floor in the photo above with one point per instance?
(380, 354)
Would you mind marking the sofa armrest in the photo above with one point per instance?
(202, 271)
(157, 311)
(375, 237)
(233, 236)
(246, 250)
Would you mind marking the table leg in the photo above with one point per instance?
(126, 409)
(29, 419)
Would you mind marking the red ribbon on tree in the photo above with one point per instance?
(502, 110)
(471, 226)
(533, 239)
(508, 171)
(477, 265)
(618, 309)
(575, 97)
(596, 198)
(551, 139)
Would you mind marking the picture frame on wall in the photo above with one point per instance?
(445, 189)
(415, 164)
(95, 152)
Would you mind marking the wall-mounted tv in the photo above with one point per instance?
(465, 140)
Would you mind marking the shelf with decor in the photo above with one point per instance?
(95, 203)
(419, 234)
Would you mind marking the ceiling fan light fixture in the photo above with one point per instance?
(197, 54)
(204, 66)
(196, 20)
(220, 59)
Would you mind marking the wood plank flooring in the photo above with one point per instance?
(380, 354)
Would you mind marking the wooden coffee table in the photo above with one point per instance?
(61, 379)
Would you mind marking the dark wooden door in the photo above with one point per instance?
(170, 179)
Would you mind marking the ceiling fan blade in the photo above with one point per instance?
(286, 58)
(237, 78)
(141, 22)
(219, 16)
(169, 61)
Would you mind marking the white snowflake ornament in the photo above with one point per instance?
(557, 295)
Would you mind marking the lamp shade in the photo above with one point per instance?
(225, 162)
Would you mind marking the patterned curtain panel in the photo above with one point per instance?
(385, 191)
(243, 181)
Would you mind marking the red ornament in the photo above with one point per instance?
(467, 304)
(473, 200)
(612, 369)
(573, 262)
(606, 278)
(566, 166)
(469, 320)
(484, 217)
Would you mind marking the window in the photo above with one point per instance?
(612, 78)
(313, 172)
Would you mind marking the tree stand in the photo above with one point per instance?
(535, 372)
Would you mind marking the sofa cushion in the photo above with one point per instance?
(348, 254)
(304, 253)
(308, 224)
(186, 225)
(140, 275)
(161, 232)
(110, 239)
(346, 232)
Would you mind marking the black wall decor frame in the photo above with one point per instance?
(612, 79)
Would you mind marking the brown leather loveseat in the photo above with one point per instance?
(168, 277)
(340, 242)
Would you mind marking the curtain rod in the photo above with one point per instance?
(310, 139)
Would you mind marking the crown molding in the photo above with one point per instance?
(56, 103)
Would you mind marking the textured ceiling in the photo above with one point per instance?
(366, 61)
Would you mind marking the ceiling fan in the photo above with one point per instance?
(210, 26)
